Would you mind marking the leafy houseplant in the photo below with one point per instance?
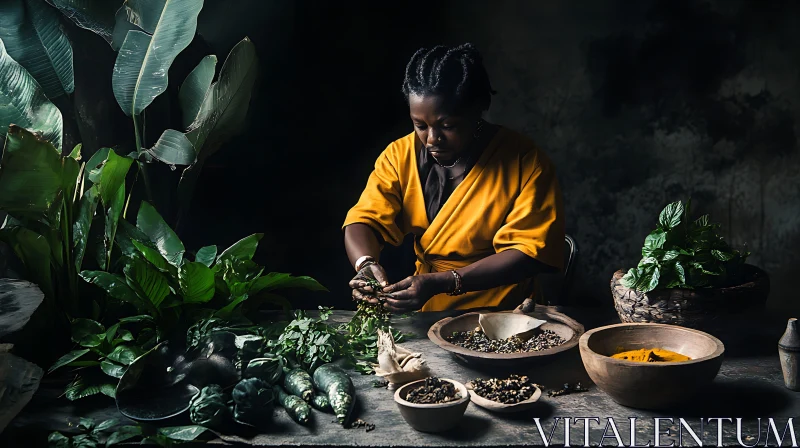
(681, 253)
(167, 292)
(50, 196)
(51, 200)
(688, 276)
(36, 68)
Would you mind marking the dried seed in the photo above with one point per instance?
(433, 391)
(513, 389)
(477, 340)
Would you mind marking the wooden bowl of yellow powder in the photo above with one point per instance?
(650, 366)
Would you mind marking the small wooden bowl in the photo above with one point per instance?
(495, 406)
(431, 417)
(650, 385)
(559, 323)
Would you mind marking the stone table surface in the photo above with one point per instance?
(749, 387)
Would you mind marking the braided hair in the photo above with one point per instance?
(457, 73)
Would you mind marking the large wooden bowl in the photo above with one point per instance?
(654, 385)
(559, 323)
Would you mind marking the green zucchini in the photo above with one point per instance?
(298, 382)
(321, 402)
(294, 405)
(336, 384)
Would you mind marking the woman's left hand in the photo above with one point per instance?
(410, 293)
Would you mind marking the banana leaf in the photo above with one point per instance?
(32, 33)
(34, 178)
(143, 61)
(194, 89)
(166, 241)
(97, 16)
(23, 102)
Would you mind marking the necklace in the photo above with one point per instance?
(475, 136)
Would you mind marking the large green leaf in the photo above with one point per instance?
(194, 89)
(94, 166)
(24, 103)
(97, 16)
(182, 433)
(196, 282)
(124, 354)
(113, 213)
(151, 255)
(206, 255)
(83, 223)
(173, 148)
(122, 434)
(81, 388)
(68, 358)
(121, 28)
(226, 311)
(112, 176)
(671, 216)
(87, 333)
(34, 178)
(32, 33)
(143, 61)
(276, 280)
(221, 116)
(33, 251)
(127, 233)
(147, 279)
(112, 369)
(243, 249)
(224, 109)
(655, 240)
(118, 288)
(160, 234)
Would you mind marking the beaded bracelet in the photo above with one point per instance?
(457, 291)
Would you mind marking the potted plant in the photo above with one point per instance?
(688, 275)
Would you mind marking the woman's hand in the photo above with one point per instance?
(361, 288)
(412, 292)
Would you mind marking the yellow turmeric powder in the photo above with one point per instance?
(651, 355)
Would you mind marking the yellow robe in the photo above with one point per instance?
(510, 199)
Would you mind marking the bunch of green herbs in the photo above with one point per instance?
(681, 253)
(362, 330)
(308, 343)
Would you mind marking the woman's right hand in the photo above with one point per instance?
(361, 288)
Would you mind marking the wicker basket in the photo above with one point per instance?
(694, 308)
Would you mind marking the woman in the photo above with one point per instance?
(482, 201)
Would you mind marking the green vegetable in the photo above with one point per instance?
(254, 400)
(681, 253)
(269, 368)
(321, 403)
(209, 408)
(298, 382)
(362, 335)
(310, 342)
(336, 384)
(252, 347)
(294, 405)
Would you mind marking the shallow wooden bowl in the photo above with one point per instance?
(431, 417)
(559, 323)
(496, 406)
(654, 385)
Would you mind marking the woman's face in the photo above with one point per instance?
(444, 131)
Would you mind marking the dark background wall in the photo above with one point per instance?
(638, 104)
